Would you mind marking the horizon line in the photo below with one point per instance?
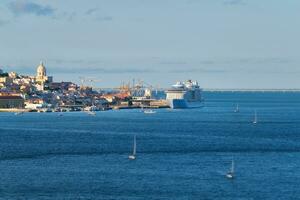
(252, 89)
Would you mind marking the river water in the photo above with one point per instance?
(181, 154)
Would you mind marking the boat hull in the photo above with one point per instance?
(182, 104)
(229, 175)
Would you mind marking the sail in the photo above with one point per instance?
(232, 166)
(237, 108)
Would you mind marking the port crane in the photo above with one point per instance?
(91, 80)
(140, 87)
(134, 87)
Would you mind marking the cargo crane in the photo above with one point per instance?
(91, 80)
(134, 88)
(142, 88)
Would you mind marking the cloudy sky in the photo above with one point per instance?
(220, 43)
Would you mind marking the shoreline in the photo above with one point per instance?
(23, 110)
(13, 110)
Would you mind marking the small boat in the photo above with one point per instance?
(19, 113)
(237, 109)
(149, 111)
(230, 174)
(255, 118)
(133, 156)
(91, 113)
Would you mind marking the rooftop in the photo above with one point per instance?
(3, 97)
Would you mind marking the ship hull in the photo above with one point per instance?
(183, 104)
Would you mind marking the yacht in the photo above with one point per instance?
(184, 95)
(133, 155)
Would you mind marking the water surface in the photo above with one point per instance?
(182, 154)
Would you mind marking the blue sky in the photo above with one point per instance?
(220, 43)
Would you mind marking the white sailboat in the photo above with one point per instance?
(230, 174)
(132, 157)
(255, 118)
(237, 109)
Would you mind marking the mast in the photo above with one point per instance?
(134, 145)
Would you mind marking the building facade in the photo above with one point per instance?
(11, 101)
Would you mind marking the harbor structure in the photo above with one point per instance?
(41, 94)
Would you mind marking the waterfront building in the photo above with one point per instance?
(11, 101)
(34, 106)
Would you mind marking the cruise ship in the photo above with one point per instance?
(184, 95)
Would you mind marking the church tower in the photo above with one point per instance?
(41, 71)
(41, 76)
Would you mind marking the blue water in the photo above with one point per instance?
(182, 154)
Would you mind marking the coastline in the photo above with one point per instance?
(13, 110)
(23, 110)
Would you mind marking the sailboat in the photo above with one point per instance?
(255, 118)
(132, 157)
(237, 109)
(230, 174)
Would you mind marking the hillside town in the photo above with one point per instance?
(40, 93)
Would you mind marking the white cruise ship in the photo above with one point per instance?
(184, 95)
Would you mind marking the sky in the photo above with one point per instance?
(252, 44)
